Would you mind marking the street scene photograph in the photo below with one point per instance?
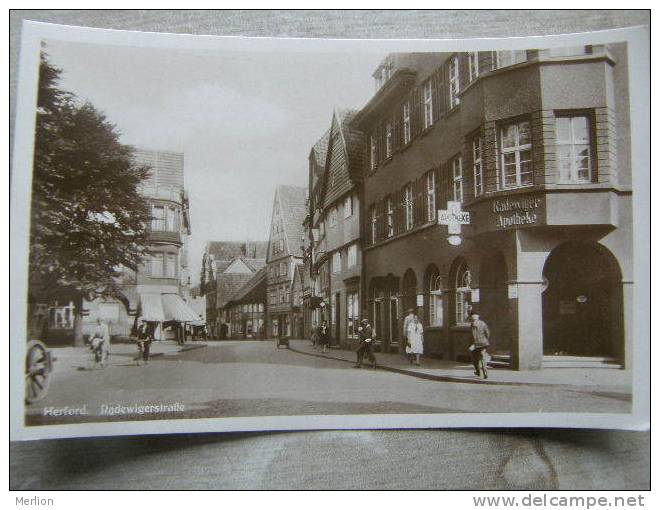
(223, 233)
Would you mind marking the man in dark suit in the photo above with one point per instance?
(366, 336)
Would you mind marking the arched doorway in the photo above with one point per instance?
(582, 304)
(494, 303)
(409, 291)
(384, 302)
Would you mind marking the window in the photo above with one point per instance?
(273, 296)
(352, 255)
(283, 294)
(158, 218)
(348, 206)
(374, 224)
(430, 196)
(508, 58)
(157, 265)
(435, 301)
(457, 167)
(336, 262)
(170, 266)
(333, 216)
(172, 219)
(372, 157)
(408, 206)
(473, 65)
(462, 294)
(516, 155)
(453, 82)
(388, 140)
(281, 245)
(352, 314)
(573, 149)
(390, 218)
(283, 269)
(406, 123)
(477, 166)
(428, 105)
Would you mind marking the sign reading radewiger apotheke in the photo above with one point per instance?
(510, 212)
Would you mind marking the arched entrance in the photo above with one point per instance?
(494, 302)
(582, 304)
(384, 302)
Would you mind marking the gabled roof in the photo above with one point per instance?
(320, 148)
(344, 138)
(229, 250)
(228, 284)
(256, 284)
(292, 204)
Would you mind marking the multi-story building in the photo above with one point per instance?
(285, 252)
(337, 259)
(158, 290)
(500, 182)
(245, 311)
(221, 260)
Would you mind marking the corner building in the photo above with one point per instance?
(535, 145)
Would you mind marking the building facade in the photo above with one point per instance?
(337, 255)
(500, 182)
(285, 252)
(226, 266)
(245, 312)
(160, 288)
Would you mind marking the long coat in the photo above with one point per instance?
(480, 333)
(415, 336)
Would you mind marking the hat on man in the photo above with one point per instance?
(364, 321)
(410, 310)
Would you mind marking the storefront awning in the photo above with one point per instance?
(151, 308)
(176, 309)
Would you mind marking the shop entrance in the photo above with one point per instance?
(494, 302)
(582, 304)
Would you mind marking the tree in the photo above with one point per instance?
(88, 219)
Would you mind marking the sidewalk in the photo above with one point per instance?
(66, 357)
(616, 380)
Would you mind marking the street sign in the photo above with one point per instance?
(453, 217)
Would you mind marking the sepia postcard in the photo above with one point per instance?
(227, 233)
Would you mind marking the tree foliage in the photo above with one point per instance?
(87, 218)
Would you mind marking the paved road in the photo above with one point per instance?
(257, 379)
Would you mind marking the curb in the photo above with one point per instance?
(439, 378)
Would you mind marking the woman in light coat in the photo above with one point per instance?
(415, 336)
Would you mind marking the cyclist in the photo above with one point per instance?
(480, 341)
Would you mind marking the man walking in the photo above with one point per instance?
(365, 334)
(410, 316)
(480, 341)
(102, 333)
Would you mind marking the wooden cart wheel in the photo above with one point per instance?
(37, 371)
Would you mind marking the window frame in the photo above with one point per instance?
(516, 150)
(351, 255)
(389, 207)
(409, 206)
(406, 123)
(428, 104)
(430, 196)
(457, 179)
(462, 295)
(348, 206)
(374, 224)
(336, 262)
(574, 171)
(435, 300)
(473, 65)
(373, 152)
(477, 165)
(454, 82)
(388, 140)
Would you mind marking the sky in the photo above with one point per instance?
(244, 121)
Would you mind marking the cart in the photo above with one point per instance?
(283, 340)
(38, 367)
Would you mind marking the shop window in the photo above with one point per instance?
(573, 149)
(435, 300)
(352, 314)
(462, 294)
(515, 160)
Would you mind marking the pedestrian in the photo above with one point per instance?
(101, 341)
(480, 341)
(323, 335)
(144, 342)
(415, 339)
(410, 314)
(366, 336)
